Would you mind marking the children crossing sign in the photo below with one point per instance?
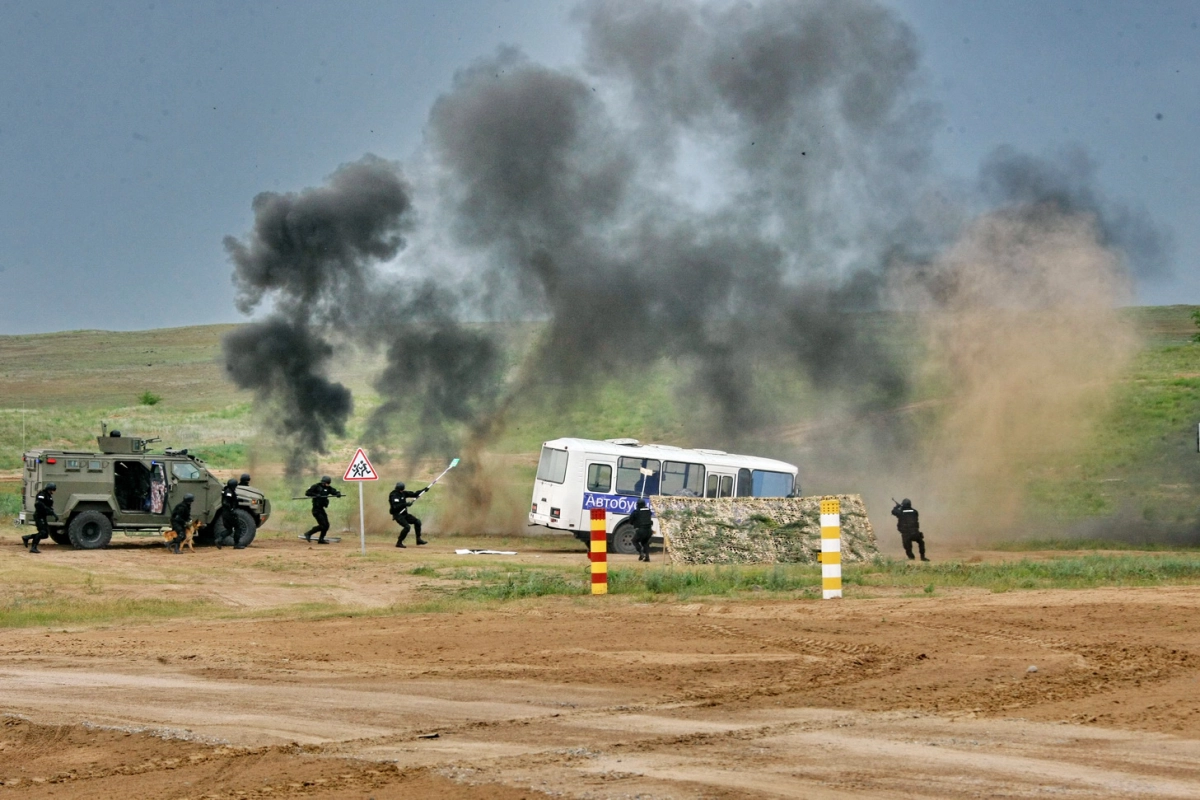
(360, 469)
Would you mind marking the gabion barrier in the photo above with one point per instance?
(746, 530)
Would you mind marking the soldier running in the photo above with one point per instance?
(909, 525)
(181, 515)
(399, 502)
(43, 506)
(643, 529)
(320, 493)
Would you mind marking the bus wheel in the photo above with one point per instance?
(622, 540)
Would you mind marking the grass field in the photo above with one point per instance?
(1135, 477)
(1068, 572)
(44, 594)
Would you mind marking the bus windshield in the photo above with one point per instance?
(772, 484)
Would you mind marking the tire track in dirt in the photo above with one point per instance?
(832, 664)
(161, 765)
(1093, 669)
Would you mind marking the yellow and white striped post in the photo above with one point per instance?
(599, 552)
(831, 548)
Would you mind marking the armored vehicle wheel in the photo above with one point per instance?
(60, 537)
(246, 529)
(622, 540)
(90, 530)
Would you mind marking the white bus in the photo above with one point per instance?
(576, 475)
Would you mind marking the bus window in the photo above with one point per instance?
(745, 486)
(553, 465)
(599, 478)
(726, 486)
(772, 484)
(630, 479)
(711, 489)
(682, 479)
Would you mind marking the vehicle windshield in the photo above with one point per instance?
(772, 484)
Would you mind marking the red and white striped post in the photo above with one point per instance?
(599, 552)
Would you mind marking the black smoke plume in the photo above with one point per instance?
(575, 184)
(729, 186)
(315, 255)
(1063, 183)
(284, 361)
(446, 371)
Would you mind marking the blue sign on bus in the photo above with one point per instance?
(612, 503)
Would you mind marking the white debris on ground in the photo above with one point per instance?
(486, 552)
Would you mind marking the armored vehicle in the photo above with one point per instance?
(125, 487)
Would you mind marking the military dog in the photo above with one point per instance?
(188, 532)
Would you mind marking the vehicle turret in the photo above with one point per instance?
(116, 444)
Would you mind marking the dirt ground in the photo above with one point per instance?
(588, 697)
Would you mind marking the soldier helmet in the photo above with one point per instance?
(400, 485)
(906, 503)
(187, 498)
(231, 482)
(326, 479)
(50, 487)
(641, 504)
(245, 479)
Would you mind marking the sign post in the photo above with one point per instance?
(360, 470)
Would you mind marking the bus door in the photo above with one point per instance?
(718, 485)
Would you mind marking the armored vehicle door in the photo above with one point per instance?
(187, 478)
(140, 489)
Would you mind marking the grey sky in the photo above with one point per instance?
(133, 136)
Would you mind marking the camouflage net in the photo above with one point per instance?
(759, 530)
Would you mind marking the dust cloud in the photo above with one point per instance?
(1023, 334)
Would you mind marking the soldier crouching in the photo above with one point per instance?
(909, 525)
(643, 530)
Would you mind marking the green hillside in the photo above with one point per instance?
(1138, 476)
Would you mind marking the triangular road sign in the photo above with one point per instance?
(360, 469)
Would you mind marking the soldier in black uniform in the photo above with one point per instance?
(320, 493)
(399, 502)
(643, 529)
(181, 515)
(909, 525)
(43, 506)
(229, 504)
(245, 481)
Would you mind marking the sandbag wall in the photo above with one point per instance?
(751, 530)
